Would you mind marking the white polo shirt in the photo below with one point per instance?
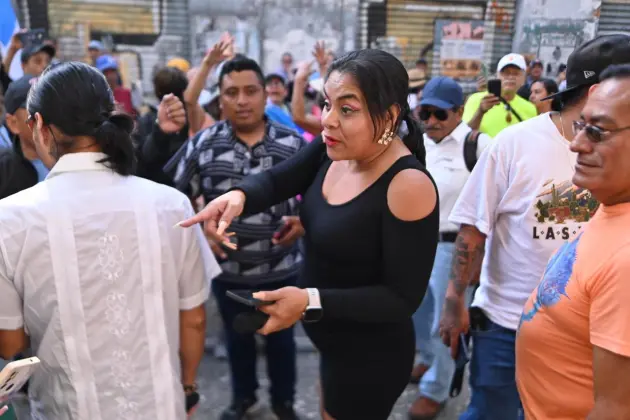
(92, 268)
(445, 162)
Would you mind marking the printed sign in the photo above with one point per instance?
(459, 45)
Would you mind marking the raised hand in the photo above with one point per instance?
(171, 114)
(222, 50)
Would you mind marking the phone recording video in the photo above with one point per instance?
(494, 87)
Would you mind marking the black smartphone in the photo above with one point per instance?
(192, 401)
(32, 37)
(494, 87)
(245, 297)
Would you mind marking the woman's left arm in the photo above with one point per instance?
(410, 236)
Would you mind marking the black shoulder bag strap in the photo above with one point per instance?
(470, 149)
(457, 382)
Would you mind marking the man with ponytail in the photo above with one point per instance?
(93, 278)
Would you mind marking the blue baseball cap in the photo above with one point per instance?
(106, 62)
(442, 92)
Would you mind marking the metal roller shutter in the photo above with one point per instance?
(614, 17)
(409, 25)
(143, 33)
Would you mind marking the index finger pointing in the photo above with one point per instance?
(197, 218)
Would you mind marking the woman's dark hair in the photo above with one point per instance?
(384, 82)
(551, 87)
(169, 80)
(75, 98)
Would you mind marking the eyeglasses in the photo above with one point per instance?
(594, 133)
(440, 114)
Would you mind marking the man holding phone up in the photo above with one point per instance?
(500, 107)
(263, 254)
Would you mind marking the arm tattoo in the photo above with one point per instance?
(467, 259)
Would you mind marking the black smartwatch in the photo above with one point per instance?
(313, 311)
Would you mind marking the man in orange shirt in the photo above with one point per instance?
(573, 343)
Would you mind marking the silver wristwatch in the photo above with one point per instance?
(313, 311)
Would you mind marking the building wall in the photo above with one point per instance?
(405, 28)
(614, 17)
(265, 29)
(143, 33)
(551, 29)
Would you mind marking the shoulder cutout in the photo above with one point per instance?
(411, 195)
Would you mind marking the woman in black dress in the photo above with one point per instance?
(371, 218)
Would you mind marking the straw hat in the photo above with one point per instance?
(417, 78)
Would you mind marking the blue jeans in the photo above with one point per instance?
(280, 348)
(436, 382)
(493, 376)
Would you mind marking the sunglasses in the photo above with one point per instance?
(594, 133)
(440, 114)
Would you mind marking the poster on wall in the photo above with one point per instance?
(549, 30)
(458, 43)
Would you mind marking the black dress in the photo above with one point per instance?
(371, 270)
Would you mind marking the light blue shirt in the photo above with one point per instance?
(5, 138)
(42, 170)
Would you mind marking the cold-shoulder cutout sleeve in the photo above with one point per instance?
(409, 248)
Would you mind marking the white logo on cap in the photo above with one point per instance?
(589, 74)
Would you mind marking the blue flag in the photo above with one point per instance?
(8, 26)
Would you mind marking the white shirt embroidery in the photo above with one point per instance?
(91, 265)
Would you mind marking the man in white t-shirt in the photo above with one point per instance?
(452, 151)
(517, 208)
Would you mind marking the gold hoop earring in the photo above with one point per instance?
(386, 138)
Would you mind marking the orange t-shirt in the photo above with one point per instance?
(581, 302)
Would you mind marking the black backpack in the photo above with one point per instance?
(470, 149)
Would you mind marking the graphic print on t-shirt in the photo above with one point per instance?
(554, 282)
(560, 209)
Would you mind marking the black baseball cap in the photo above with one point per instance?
(590, 59)
(30, 50)
(16, 94)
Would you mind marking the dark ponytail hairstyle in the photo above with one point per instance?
(76, 99)
(384, 82)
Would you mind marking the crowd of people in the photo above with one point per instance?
(399, 219)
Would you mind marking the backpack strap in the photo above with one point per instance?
(470, 149)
